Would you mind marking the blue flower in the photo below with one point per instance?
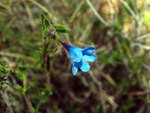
(80, 57)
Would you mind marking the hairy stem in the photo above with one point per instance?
(28, 103)
(44, 67)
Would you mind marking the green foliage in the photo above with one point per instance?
(22, 75)
(69, 108)
(3, 68)
(43, 21)
(47, 27)
(3, 74)
(135, 63)
(120, 35)
(61, 29)
(126, 105)
(115, 58)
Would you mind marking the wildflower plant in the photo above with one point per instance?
(79, 57)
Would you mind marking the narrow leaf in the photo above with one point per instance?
(61, 29)
(43, 21)
(47, 24)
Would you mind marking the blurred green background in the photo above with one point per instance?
(118, 81)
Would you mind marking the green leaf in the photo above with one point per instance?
(125, 46)
(39, 105)
(47, 24)
(2, 64)
(2, 69)
(47, 44)
(43, 21)
(45, 33)
(61, 29)
(4, 88)
(12, 86)
(57, 36)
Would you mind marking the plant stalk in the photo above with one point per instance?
(44, 67)
(28, 103)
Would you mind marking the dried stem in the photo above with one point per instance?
(44, 67)
(7, 101)
(28, 103)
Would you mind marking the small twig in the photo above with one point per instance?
(7, 101)
(28, 103)
(44, 66)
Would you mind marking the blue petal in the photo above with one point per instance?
(75, 69)
(89, 57)
(75, 54)
(88, 49)
(84, 66)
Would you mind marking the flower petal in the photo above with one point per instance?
(88, 49)
(75, 68)
(84, 66)
(75, 54)
(89, 57)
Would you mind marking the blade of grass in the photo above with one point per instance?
(142, 18)
(96, 13)
(76, 11)
(141, 46)
(143, 36)
(17, 56)
(129, 9)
